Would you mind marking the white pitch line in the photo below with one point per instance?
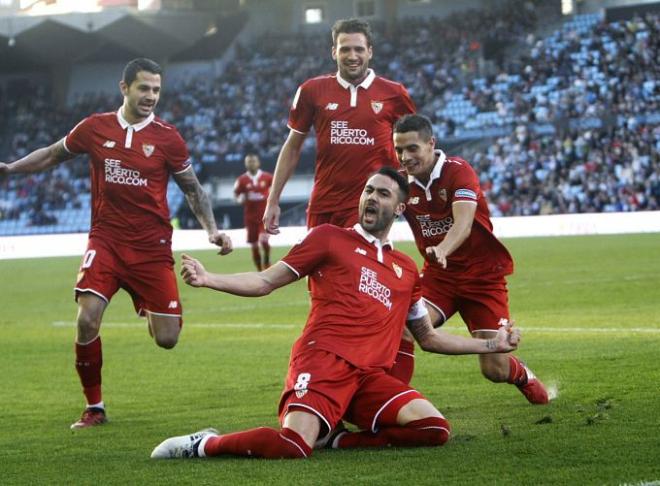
(274, 305)
(234, 325)
(262, 325)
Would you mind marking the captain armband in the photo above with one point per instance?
(417, 310)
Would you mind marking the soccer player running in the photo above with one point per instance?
(465, 264)
(132, 153)
(251, 190)
(352, 112)
(365, 291)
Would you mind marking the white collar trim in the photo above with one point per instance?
(371, 75)
(435, 173)
(373, 240)
(138, 126)
(369, 237)
(254, 178)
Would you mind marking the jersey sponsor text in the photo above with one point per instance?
(342, 134)
(370, 285)
(116, 174)
(432, 227)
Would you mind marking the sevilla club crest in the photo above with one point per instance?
(397, 269)
(442, 194)
(148, 149)
(377, 106)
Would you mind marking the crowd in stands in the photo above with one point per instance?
(597, 170)
(569, 120)
(587, 69)
(33, 122)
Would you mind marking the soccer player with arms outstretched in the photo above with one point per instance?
(364, 293)
(132, 153)
(251, 190)
(465, 264)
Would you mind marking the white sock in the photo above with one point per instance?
(202, 443)
(96, 405)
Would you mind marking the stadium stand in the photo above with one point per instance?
(560, 123)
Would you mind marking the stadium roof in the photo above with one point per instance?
(29, 43)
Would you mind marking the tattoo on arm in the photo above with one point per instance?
(420, 328)
(198, 200)
(491, 344)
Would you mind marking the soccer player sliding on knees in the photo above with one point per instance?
(364, 292)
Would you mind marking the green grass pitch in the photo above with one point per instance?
(589, 308)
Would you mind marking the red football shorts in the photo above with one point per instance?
(344, 218)
(147, 276)
(326, 385)
(483, 303)
(255, 228)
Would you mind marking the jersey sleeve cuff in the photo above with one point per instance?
(297, 131)
(66, 147)
(291, 268)
(183, 170)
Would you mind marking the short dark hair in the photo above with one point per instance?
(399, 178)
(140, 64)
(414, 123)
(351, 26)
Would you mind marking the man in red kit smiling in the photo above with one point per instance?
(352, 112)
(251, 190)
(465, 265)
(364, 294)
(131, 153)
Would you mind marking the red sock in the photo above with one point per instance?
(260, 442)
(431, 431)
(517, 373)
(89, 360)
(265, 246)
(404, 364)
(256, 258)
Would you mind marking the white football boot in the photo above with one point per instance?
(183, 446)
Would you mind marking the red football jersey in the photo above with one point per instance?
(361, 291)
(130, 167)
(429, 213)
(255, 189)
(353, 128)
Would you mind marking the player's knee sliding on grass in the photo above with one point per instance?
(405, 420)
(363, 293)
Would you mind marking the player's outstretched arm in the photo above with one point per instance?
(251, 284)
(200, 205)
(463, 215)
(286, 165)
(37, 161)
(436, 341)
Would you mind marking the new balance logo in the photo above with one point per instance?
(332, 106)
(361, 251)
(173, 304)
(413, 200)
(109, 144)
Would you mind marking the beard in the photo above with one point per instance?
(352, 75)
(375, 222)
